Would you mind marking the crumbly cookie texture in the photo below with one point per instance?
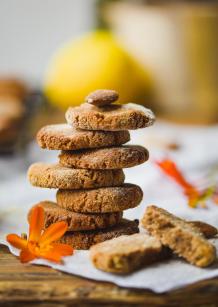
(111, 118)
(65, 137)
(85, 239)
(108, 199)
(77, 221)
(59, 177)
(183, 238)
(102, 97)
(105, 158)
(127, 253)
(207, 230)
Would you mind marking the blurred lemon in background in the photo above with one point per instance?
(92, 62)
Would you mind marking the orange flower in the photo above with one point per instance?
(41, 244)
(170, 168)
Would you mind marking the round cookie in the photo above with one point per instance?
(110, 118)
(101, 200)
(59, 177)
(102, 97)
(105, 158)
(65, 137)
(77, 221)
(85, 239)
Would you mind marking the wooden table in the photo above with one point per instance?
(29, 285)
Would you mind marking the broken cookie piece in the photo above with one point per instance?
(182, 237)
(125, 254)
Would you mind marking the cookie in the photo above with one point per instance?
(207, 230)
(102, 97)
(59, 177)
(183, 238)
(65, 137)
(109, 199)
(127, 253)
(105, 158)
(78, 221)
(85, 239)
(110, 118)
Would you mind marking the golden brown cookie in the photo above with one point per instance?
(85, 239)
(109, 199)
(77, 221)
(65, 137)
(102, 97)
(105, 158)
(125, 254)
(59, 177)
(182, 237)
(110, 118)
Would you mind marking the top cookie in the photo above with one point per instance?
(65, 137)
(110, 118)
(102, 97)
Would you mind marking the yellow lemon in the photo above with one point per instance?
(95, 61)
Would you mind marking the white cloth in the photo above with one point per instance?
(196, 156)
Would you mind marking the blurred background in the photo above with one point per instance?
(161, 54)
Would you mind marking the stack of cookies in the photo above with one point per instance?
(91, 194)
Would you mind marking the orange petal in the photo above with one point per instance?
(36, 222)
(63, 249)
(16, 241)
(26, 256)
(53, 233)
(170, 168)
(51, 256)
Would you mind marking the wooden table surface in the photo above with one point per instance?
(31, 285)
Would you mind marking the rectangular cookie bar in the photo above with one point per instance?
(182, 237)
(124, 254)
